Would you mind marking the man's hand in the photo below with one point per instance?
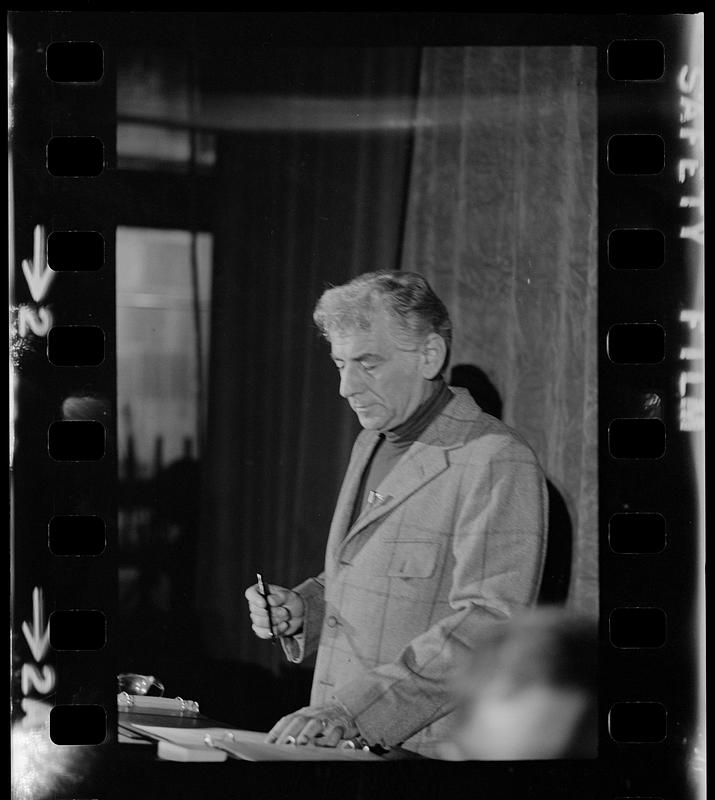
(287, 610)
(324, 726)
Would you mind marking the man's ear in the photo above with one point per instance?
(434, 352)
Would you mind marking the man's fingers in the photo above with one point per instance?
(289, 734)
(277, 595)
(293, 726)
(317, 725)
(258, 609)
(259, 619)
(309, 732)
(279, 614)
(332, 734)
(262, 633)
(262, 621)
(253, 596)
(277, 599)
(277, 729)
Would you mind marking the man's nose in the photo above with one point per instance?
(350, 382)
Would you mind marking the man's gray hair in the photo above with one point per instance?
(408, 300)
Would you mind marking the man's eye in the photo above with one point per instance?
(368, 367)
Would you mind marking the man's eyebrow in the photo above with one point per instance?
(361, 357)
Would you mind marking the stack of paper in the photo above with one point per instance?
(246, 745)
(189, 752)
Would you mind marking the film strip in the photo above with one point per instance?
(63, 186)
(645, 407)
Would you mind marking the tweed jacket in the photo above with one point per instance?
(455, 539)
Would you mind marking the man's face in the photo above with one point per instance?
(383, 384)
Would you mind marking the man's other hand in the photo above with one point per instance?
(324, 726)
(287, 610)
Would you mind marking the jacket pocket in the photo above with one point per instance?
(413, 559)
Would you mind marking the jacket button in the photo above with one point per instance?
(332, 621)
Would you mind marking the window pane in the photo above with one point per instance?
(157, 359)
(142, 146)
(155, 88)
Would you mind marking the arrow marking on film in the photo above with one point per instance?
(37, 636)
(36, 271)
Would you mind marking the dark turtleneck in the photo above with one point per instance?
(393, 444)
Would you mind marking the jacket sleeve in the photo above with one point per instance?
(305, 643)
(498, 547)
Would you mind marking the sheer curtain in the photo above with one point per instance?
(502, 220)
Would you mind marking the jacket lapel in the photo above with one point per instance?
(348, 491)
(419, 465)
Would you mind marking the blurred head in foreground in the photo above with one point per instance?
(530, 692)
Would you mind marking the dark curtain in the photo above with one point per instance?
(502, 220)
(311, 201)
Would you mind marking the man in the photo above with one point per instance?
(439, 528)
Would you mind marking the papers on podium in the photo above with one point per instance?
(169, 751)
(204, 744)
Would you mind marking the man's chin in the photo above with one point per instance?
(371, 422)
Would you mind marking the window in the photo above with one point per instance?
(159, 346)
